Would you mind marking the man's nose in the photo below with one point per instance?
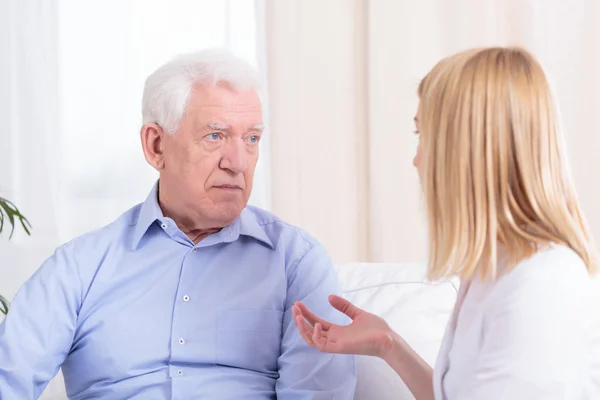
(234, 157)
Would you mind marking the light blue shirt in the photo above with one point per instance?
(135, 310)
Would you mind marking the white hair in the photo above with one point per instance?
(167, 90)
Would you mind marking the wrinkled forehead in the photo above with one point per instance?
(223, 95)
(222, 108)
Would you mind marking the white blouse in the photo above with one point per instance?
(532, 334)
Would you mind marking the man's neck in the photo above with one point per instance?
(192, 229)
(197, 235)
(189, 227)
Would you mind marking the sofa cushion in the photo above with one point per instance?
(415, 308)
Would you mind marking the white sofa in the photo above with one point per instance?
(415, 308)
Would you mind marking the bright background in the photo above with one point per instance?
(340, 78)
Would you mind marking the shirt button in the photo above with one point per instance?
(194, 249)
(179, 372)
(163, 225)
(186, 298)
(181, 341)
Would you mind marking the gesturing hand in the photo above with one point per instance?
(368, 334)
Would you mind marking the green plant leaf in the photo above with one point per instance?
(9, 214)
(4, 305)
(10, 211)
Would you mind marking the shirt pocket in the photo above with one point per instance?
(249, 339)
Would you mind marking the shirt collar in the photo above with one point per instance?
(246, 224)
(149, 213)
(249, 225)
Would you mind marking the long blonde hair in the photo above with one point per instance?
(494, 169)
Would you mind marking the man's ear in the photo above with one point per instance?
(153, 136)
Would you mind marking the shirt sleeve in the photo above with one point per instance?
(36, 334)
(535, 341)
(306, 373)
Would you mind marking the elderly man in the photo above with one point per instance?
(188, 295)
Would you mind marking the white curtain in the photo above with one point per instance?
(30, 138)
(343, 76)
(71, 80)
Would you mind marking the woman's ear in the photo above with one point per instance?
(152, 136)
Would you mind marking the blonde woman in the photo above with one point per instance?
(502, 215)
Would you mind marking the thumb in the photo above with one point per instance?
(344, 306)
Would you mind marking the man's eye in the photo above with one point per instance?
(213, 136)
(254, 139)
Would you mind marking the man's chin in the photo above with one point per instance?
(226, 213)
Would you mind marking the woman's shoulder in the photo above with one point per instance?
(552, 273)
(556, 263)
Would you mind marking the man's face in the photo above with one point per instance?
(209, 162)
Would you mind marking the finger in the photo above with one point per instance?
(319, 338)
(344, 306)
(311, 317)
(296, 311)
(305, 330)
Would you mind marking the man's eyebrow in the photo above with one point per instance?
(222, 127)
(217, 127)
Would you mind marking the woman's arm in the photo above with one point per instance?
(414, 371)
